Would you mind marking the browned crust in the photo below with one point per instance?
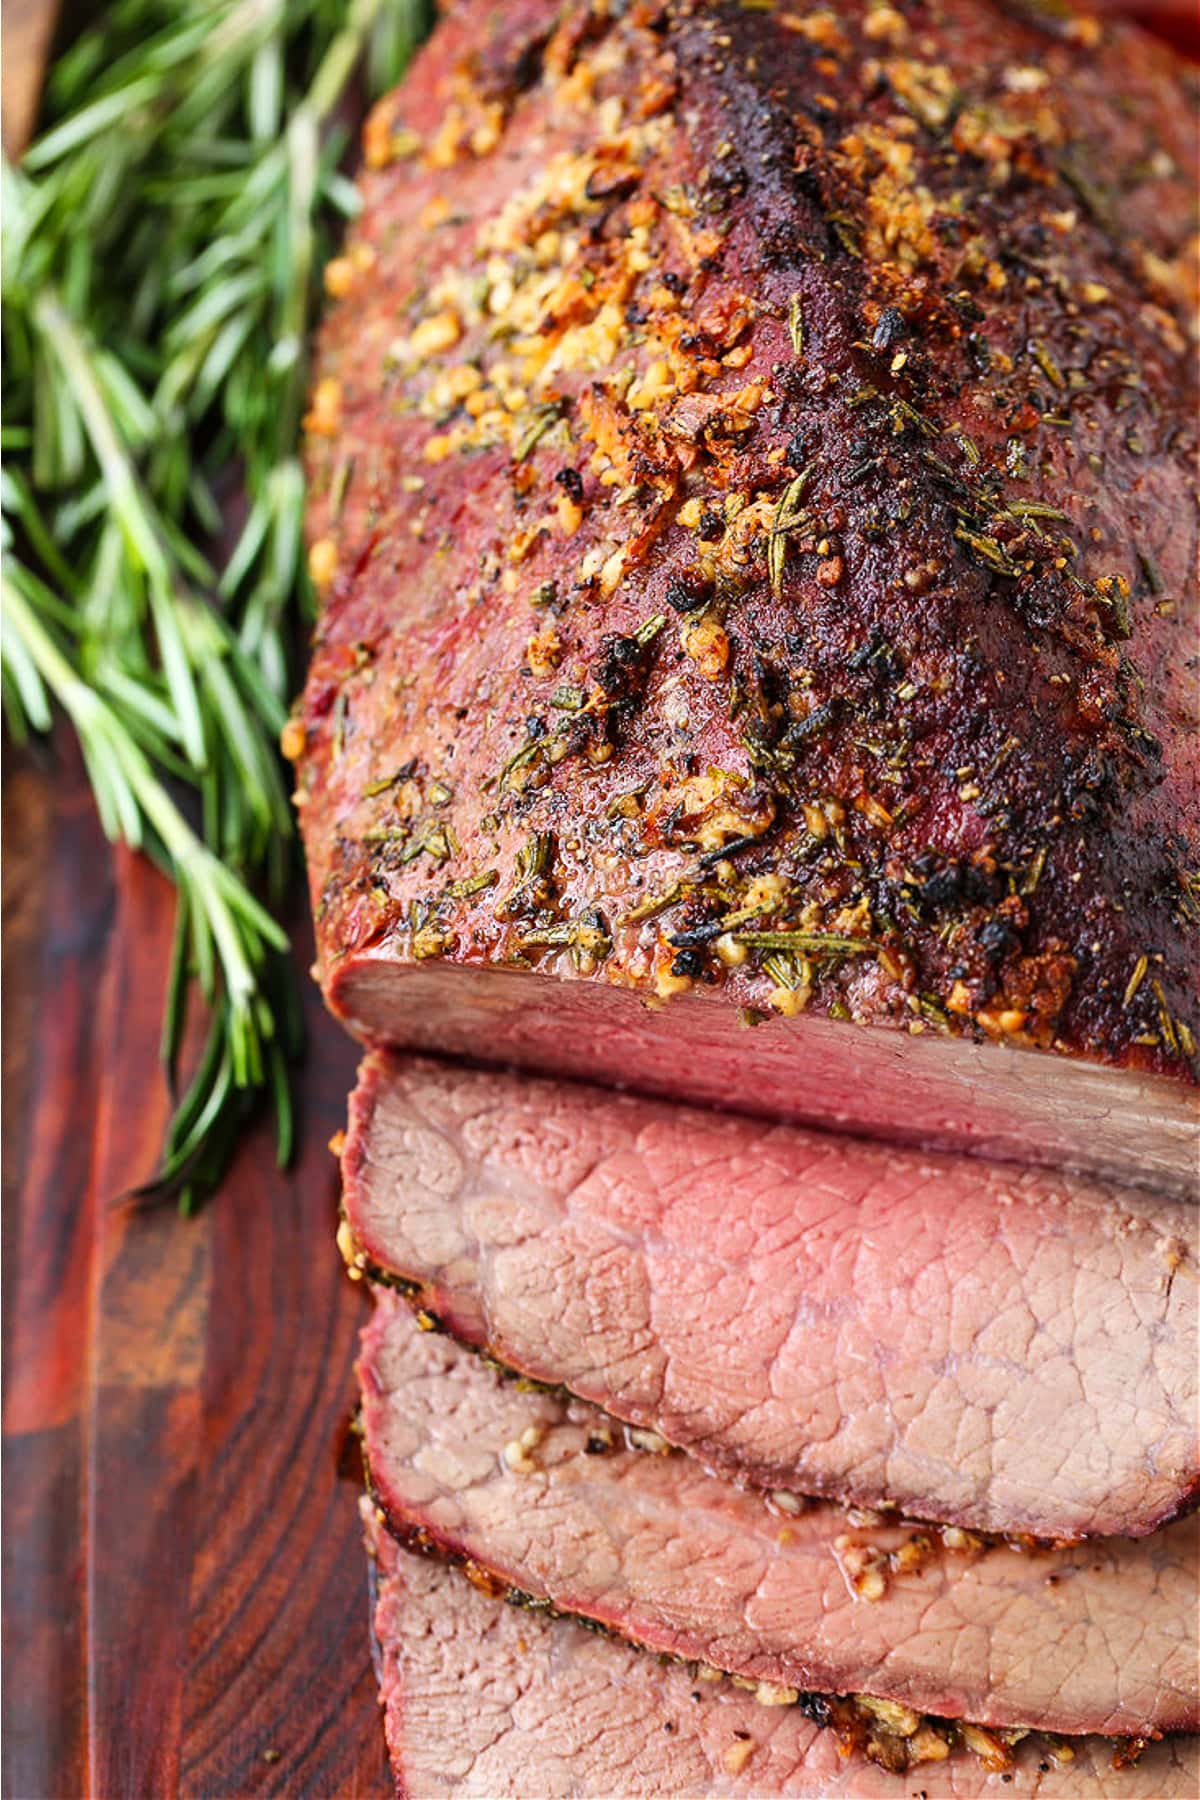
(983, 704)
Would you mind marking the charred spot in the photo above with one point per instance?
(674, 284)
(1092, 782)
(505, 70)
(876, 659)
(870, 647)
(596, 1626)
(787, 382)
(1040, 603)
(1144, 741)
(525, 70)
(817, 1708)
(619, 668)
(688, 962)
(978, 353)
(891, 328)
(966, 307)
(820, 720)
(702, 918)
(807, 182)
(998, 938)
(862, 460)
(620, 671)
(936, 886)
(712, 524)
(810, 105)
(874, 524)
(805, 442)
(571, 481)
(523, 1602)
(688, 593)
(612, 181)
(696, 935)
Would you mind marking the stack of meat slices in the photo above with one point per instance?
(752, 498)
(670, 1331)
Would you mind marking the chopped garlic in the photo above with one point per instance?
(737, 1756)
(322, 563)
(642, 1439)
(901, 1720)
(767, 1694)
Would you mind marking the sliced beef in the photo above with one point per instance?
(752, 487)
(1099, 1638)
(486, 1700)
(1003, 1349)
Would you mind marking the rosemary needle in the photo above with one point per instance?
(162, 244)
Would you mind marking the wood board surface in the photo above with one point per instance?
(185, 1588)
(185, 1598)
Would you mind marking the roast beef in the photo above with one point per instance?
(752, 496)
(481, 1699)
(1008, 1350)
(1098, 1638)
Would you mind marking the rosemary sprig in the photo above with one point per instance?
(804, 943)
(162, 243)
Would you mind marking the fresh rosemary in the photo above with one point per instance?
(162, 243)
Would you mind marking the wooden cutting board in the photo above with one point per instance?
(184, 1582)
(186, 1606)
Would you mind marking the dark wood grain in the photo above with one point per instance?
(185, 1586)
(54, 937)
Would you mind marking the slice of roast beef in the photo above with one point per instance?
(481, 1699)
(751, 477)
(1008, 1350)
(1100, 1638)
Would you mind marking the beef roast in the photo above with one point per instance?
(483, 1700)
(536, 1490)
(1009, 1350)
(752, 492)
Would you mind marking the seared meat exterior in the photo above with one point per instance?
(752, 488)
(1008, 1350)
(483, 1700)
(542, 1494)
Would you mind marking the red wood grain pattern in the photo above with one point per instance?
(149, 1316)
(185, 1588)
(54, 935)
